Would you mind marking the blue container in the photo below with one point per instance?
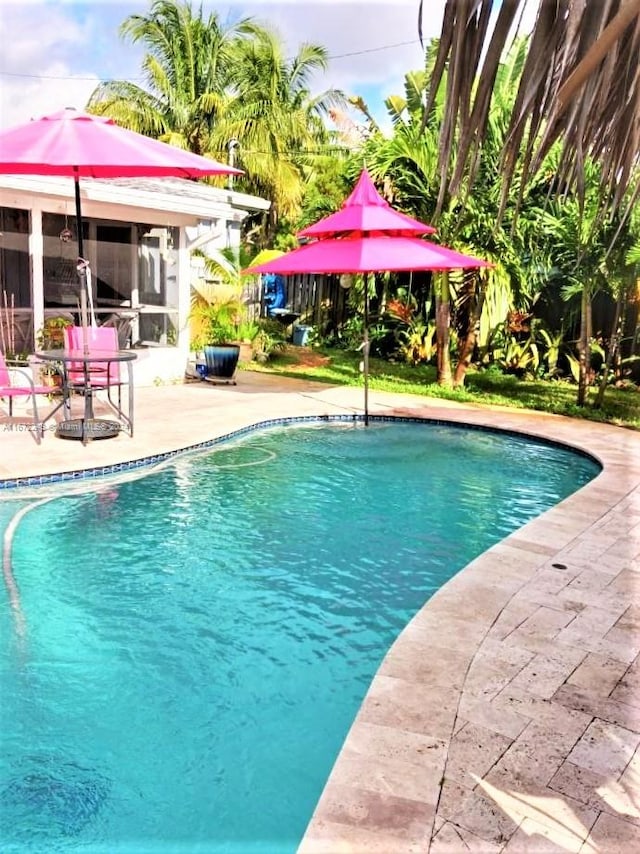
(221, 360)
(301, 335)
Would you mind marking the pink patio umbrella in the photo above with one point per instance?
(368, 255)
(366, 213)
(79, 145)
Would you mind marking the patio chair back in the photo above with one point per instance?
(103, 338)
(5, 376)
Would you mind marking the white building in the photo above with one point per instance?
(138, 235)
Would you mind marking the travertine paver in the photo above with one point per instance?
(599, 673)
(627, 689)
(534, 837)
(506, 716)
(614, 834)
(451, 837)
(473, 751)
(607, 709)
(604, 748)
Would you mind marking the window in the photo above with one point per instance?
(158, 285)
(60, 251)
(15, 276)
(16, 326)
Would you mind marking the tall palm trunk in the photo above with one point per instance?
(467, 341)
(614, 343)
(443, 324)
(584, 350)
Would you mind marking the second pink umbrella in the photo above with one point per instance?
(366, 214)
(368, 255)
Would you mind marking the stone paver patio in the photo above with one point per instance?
(506, 716)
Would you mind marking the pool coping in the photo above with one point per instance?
(461, 677)
(144, 464)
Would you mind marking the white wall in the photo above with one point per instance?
(159, 366)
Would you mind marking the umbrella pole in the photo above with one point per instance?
(82, 272)
(365, 350)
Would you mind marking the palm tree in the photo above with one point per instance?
(623, 283)
(410, 158)
(578, 90)
(579, 86)
(188, 68)
(589, 253)
(208, 86)
(277, 122)
(577, 252)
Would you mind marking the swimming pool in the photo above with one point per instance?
(197, 641)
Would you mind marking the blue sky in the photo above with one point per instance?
(55, 51)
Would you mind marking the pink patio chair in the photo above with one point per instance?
(103, 338)
(97, 376)
(15, 382)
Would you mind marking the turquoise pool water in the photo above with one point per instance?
(196, 642)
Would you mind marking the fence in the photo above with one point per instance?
(316, 300)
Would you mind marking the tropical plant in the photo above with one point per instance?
(215, 322)
(217, 90)
(580, 66)
(552, 345)
(225, 266)
(515, 350)
(277, 122)
(269, 340)
(408, 161)
(247, 330)
(623, 285)
(50, 336)
(586, 60)
(218, 301)
(328, 182)
(586, 259)
(417, 342)
(188, 67)
(415, 335)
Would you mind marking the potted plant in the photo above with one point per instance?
(215, 334)
(219, 316)
(51, 337)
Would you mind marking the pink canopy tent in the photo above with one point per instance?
(368, 255)
(366, 213)
(79, 145)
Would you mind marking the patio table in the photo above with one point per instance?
(88, 426)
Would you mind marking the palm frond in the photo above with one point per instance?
(580, 86)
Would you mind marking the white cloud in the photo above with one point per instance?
(21, 100)
(39, 74)
(67, 46)
(364, 48)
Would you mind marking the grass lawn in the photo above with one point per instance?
(621, 406)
